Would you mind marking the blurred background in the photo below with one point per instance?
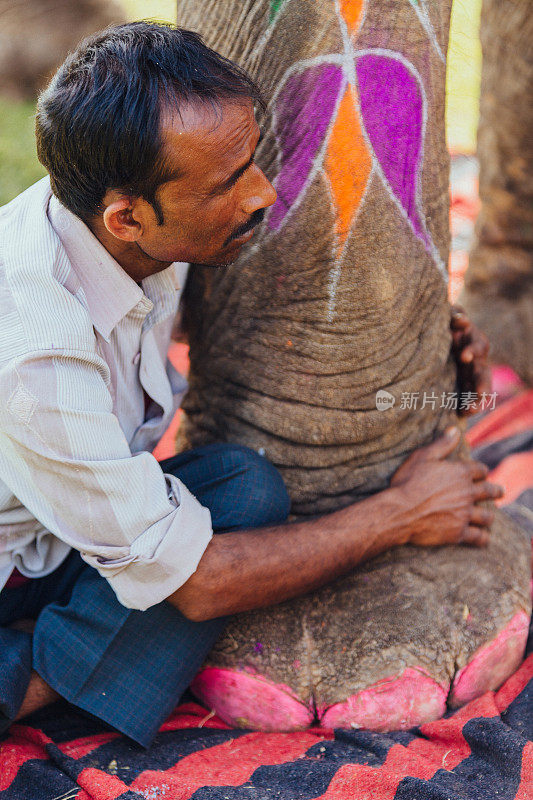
(18, 163)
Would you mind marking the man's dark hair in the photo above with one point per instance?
(98, 122)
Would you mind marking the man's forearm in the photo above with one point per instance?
(251, 569)
(431, 502)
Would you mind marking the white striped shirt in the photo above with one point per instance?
(79, 342)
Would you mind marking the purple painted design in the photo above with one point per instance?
(392, 113)
(304, 109)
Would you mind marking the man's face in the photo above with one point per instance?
(219, 192)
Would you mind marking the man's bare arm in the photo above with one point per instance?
(431, 502)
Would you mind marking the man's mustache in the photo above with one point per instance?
(256, 218)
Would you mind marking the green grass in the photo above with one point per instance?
(18, 162)
(19, 166)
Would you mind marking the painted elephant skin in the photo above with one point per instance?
(498, 289)
(326, 346)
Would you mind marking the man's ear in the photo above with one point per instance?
(119, 217)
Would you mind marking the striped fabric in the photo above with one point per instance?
(83, 347)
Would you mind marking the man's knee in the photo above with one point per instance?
(260, 494)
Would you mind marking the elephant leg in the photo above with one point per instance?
(342, 292)
(498, 291)
(339, 303)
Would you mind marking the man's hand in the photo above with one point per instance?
(443, 495)
(430, 502)
(470, 348)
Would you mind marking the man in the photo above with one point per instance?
(149, 139)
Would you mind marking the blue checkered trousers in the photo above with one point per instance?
(129, 668)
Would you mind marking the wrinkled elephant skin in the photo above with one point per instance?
(343, 295)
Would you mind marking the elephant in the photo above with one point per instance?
(498, 292)
(36, 35)
(326, 347)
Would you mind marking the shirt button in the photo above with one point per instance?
(136, 358)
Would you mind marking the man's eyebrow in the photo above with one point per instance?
(238, 172)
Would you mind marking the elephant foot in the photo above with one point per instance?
(247, 700)
(491, 664)
(399, 702)
(394, 704)
(385, 648)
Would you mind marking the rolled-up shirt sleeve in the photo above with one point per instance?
(64, 455)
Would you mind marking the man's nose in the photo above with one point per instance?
(261, 193)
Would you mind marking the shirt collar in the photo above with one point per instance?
(109, 291)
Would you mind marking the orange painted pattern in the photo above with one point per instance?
(347, 165)
(351, 10)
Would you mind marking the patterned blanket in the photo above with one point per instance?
(485, 750)
(481, 752)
